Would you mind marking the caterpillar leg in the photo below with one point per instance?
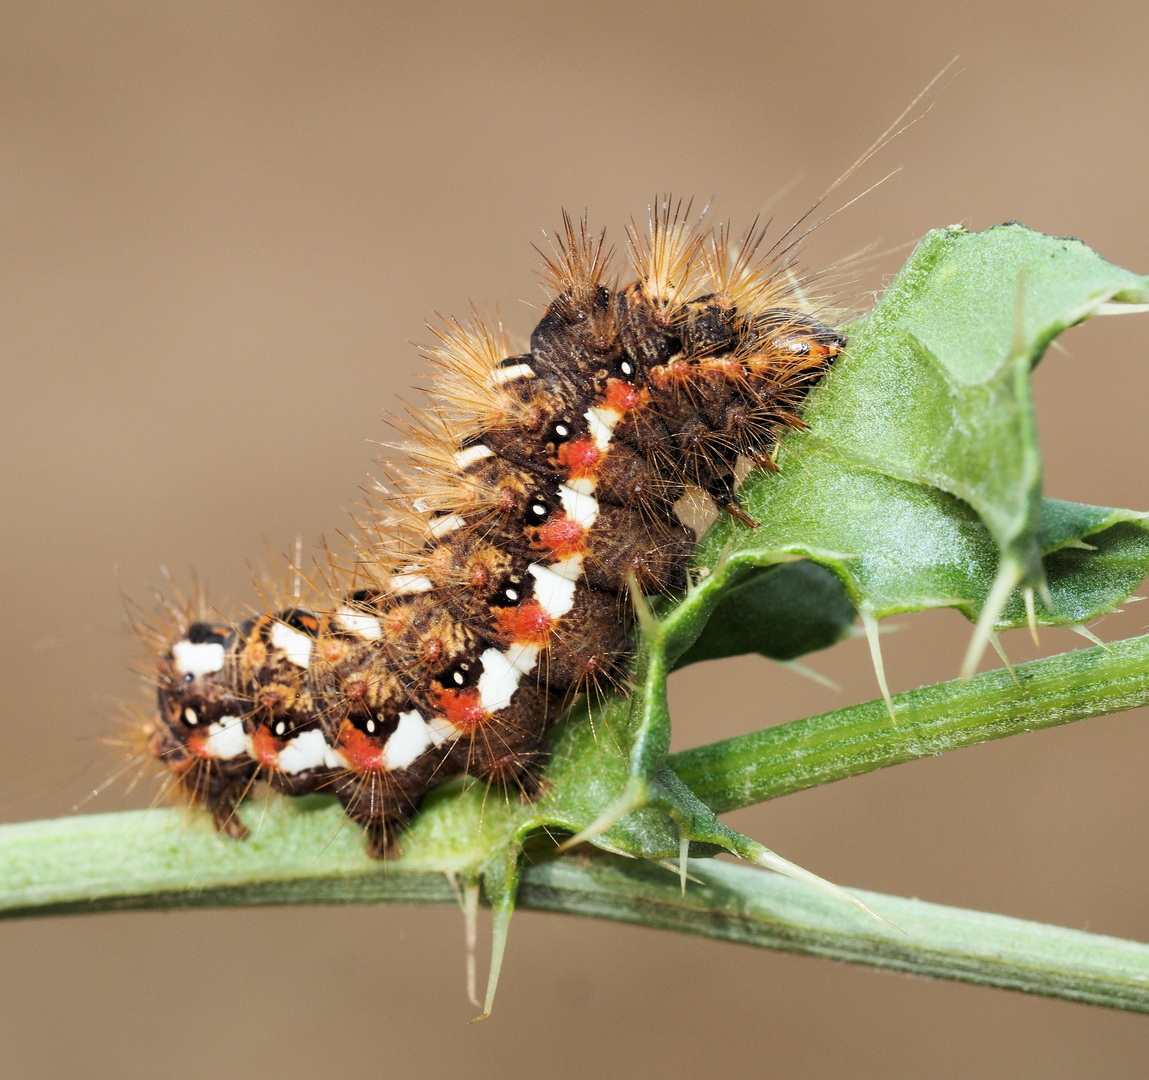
(382, 800)
(514, 764)
(223, 808)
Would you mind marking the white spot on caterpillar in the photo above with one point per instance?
(408, 741)
(467, 457)
(441, 730)
(523, 657)
(226, 739)
(569, 568)
(600, 424)
(441, 526)
(579, 507)
(555, 593)
(499, 681)
(502, 376)
(203, 658)
(584, 485)
(308, 750)
(294, 645)
(365, 626)
(404, 584)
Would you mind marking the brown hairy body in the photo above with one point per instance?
(492, 584)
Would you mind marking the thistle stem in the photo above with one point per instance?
(790, 757)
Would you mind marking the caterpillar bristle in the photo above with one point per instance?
(666, 257)
(486, 583)
(573, 277)
(578, 263)
(467, 394)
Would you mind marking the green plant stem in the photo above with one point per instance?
(109, 862)
(790, 757)
(753, 907)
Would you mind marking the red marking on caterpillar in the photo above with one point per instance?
(527, 624)
(487, 587)
(265, 747)
(580, 458)
(622, 397)
(363, 754)
(463, 711)
(562, 537)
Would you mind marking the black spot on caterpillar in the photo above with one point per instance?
(490, 584)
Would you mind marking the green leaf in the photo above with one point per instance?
(897, 548)
(782, 612)
(935, 387)
(918, 485)
(1088, 580)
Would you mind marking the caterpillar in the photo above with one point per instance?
(489, 582)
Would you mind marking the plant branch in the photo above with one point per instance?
(753, 907)
(108, 862)
(790, 757)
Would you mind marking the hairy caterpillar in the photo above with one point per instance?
(490, 584)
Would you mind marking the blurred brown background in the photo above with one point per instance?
(221, 225)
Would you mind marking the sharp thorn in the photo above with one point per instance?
(871, 626)
(998, 648)
(772, 861)
(1008, 575)
(1089, 635)
(1031, 615)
